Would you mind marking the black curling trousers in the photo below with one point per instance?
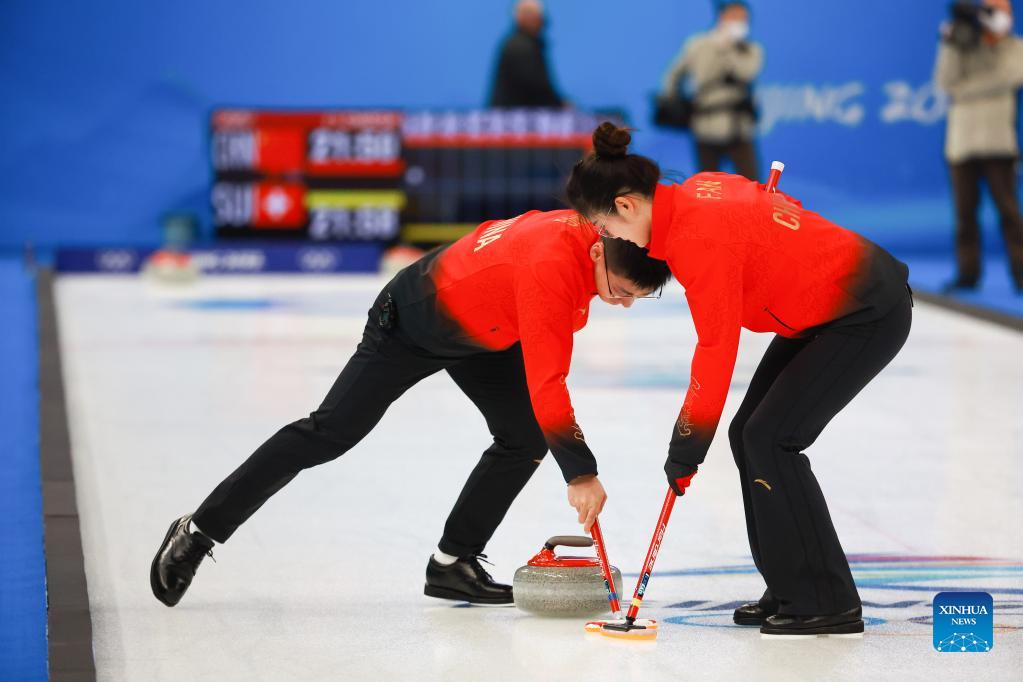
(798, 387)
(384, 366)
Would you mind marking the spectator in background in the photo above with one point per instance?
(982, 78)
(721, 66)
(522, 78)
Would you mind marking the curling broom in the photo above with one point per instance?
(631, 628)
(594, 626)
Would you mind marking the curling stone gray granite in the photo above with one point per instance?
(563, 591)
(552, 585)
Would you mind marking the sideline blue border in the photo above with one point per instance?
(22, 567)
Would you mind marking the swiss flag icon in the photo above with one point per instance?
(278, 205)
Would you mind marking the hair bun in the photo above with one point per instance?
(610, 141)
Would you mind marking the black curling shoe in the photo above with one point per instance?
(465, 580)
(846, 623)
(177, 560)
(753, 613)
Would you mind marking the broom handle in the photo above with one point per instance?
(651, 555)
(605, 568)
(772, 179)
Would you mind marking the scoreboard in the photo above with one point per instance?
(422, 176)
(329, 176)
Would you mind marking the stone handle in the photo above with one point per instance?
(568, 541)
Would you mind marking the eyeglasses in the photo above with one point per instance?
(610, 288)
(601, 228)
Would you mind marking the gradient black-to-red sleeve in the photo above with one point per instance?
(545, 299)
(715, 300)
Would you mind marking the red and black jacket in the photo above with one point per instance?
(526, 280)
(759, 260)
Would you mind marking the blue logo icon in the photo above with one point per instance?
(963, 621)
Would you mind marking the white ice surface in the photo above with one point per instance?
(170, 389)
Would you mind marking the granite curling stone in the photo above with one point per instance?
(563, 586)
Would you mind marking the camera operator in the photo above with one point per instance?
(721, 65)
(980, 65)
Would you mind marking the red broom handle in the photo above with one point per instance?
(605, 568)
(651, 555)
(772, 179)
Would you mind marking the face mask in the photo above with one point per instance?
(736, 30)
(998, 22)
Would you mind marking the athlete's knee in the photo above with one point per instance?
(537, 454)
(531, 446)
(758, 438)
(534, 450)
(762, 438)
(735, 436)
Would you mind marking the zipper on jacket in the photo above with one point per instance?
(778, 320)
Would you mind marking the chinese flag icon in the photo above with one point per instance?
(280, 150)
(278, 205)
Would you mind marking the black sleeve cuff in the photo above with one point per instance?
(690, 451)
(574, 461)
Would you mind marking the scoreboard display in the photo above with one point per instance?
(467, 167)
(425, 177)
(327, 176)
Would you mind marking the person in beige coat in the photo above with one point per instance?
(721, 66)
(983, 81)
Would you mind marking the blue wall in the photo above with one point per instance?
(103, 119)
(22, 571)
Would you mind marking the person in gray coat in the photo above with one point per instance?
(983, 79)
(720, 66)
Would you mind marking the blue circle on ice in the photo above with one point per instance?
(695, 618)
(232, 304)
